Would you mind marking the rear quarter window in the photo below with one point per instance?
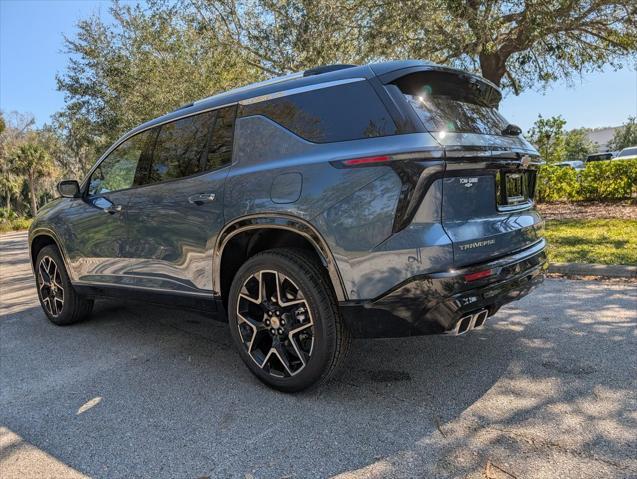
(351, 111)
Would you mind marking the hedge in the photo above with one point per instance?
(600, 180)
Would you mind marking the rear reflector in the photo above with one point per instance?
(478, 275)
(365, 161)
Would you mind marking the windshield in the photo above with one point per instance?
(628, 152)
(452, 103)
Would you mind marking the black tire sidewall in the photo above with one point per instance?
(322, 314)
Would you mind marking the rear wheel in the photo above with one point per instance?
(60, 302)
(285, 321)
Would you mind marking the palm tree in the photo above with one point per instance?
(32, 161)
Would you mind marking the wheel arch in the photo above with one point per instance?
(42, 237)
(283, 230)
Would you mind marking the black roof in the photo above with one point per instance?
(323, 74)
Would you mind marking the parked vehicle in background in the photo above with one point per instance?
(599, 156)
(384, 200)
(627, 154)
(575, 164)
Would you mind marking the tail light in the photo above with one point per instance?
(380, 160)
(366, 161)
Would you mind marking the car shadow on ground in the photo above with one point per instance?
(146, 391)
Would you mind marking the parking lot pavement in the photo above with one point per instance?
(548, 389)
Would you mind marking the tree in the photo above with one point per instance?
(17, 126)
(32, 160)
(149, 61)
(516, 43)
(577, 145)
(547, 134)
(624, 136)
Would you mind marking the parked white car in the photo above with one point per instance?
(629, 153)
(575, 164)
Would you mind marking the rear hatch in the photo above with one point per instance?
(490, 175)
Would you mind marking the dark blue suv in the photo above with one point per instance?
(345, 201)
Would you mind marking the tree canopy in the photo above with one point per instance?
(625, 136)
(555, 144)
(514, 43)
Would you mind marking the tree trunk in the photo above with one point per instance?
(8, 201)
(493, 67)
(34, 203)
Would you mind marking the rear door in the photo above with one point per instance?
(177, 211)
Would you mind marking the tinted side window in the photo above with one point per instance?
(117, 170)
(339, 113)
(179, 150)
(220, 144)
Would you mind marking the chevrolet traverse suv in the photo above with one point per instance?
(383, 200)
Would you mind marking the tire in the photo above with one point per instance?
(303, 324)
(59, 301)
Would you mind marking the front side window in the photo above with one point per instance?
(448, 102)
(117, 170)
(339, 113)
(179, 150)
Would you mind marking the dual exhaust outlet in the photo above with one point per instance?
(469, 322)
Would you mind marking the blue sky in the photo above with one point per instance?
(31, 53)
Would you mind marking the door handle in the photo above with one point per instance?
(201, 198)
(113, 209)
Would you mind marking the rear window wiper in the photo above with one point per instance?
(511, 130)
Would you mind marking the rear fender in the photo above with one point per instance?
(280, 221)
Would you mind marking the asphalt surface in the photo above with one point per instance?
(548, 389)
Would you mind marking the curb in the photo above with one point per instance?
(585, 269)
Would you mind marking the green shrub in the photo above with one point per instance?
(7, 215)
(600, 180)
(605, 180)
(10, 221)
(556, 183)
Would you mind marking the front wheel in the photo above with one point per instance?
(60, 302)
(285, 321)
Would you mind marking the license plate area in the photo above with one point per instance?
(514, 189)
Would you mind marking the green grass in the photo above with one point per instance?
(15, 224)
(609, 241)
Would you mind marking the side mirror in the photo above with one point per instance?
(69, 188)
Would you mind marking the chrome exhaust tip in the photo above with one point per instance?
(479, 319)
(469, 322)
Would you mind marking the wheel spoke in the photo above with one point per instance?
(287, 298)
(300, 328)
(283, 356)
(300, 354)
(252, 282)
(44, 274)
(47, 304)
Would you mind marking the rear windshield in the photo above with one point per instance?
(628, 152)
(453, 103)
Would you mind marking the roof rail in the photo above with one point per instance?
(273, 81)
(251, 86)
(326, 69)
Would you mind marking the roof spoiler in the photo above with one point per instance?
(488, 89)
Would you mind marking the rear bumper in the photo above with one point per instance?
(434, 303)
